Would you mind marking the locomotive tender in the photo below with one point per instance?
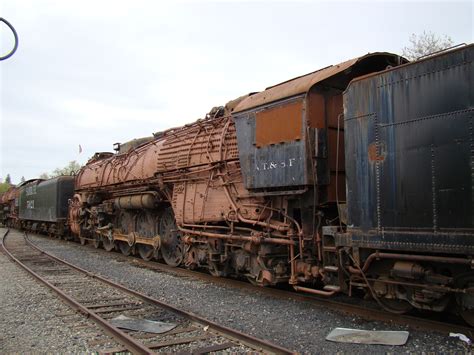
(43, 204)
(257, 188)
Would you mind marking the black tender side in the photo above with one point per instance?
(409, 144)
(46, 201)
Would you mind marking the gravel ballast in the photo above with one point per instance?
(34, 320)
(295, 325)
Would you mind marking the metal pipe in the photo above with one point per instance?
(238, 237)
(293, 278)
(207, 226)
(300, 231)
(314, 291)
(436, 259)
(431, 287)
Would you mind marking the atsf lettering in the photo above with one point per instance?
(287, 163)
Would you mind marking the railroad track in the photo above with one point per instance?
(370, 314)
(103, 300)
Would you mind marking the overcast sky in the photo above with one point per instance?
(98, 72)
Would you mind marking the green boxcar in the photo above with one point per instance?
(46, 200)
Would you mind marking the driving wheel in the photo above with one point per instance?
(171, 243)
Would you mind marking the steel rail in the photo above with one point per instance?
(372, 314)
(123, 338)
(253, 342)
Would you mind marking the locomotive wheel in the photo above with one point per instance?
(146, 252)
(108, 244)
(171, 243)
(465, 301)
(253, 280)
(392, 304)
(97, 241)
(126, 224)
(125, 248)
(146, 227)
(217, 270)
(396, 306)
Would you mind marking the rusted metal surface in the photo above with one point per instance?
(148, 200)
(9, 205)
(126, 147)
(276, 165)
(210, 202)
(275, 148)
(315, 292)
(336, 158)
(139, 164)
(394, 256)
(279, 124)
(316, 110)
(303, 83)
(376, 153)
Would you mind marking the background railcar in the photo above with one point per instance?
(43, 204)
(9, 207)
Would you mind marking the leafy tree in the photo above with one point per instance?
(3, 186)
(425, 44)
(69, 169)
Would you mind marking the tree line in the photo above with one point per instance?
(70, 169)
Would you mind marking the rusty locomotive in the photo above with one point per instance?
(9, 207)
(359, 176)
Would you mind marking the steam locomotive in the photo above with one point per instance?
(358, 176)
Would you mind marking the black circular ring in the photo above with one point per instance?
(16, 39)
